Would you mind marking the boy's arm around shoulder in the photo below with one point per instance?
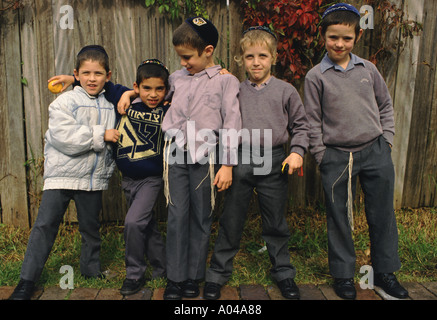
(66, 134)
(313, 89)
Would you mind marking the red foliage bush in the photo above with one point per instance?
(296, 24)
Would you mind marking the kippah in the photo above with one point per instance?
(93, 47)
(341, 7)
(262, 28)
(154, 62)
(205, 29)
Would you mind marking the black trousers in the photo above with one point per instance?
(44, 232)
(272, 190)
(374, 167)
(141, 235)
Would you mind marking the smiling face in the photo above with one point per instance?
(192, 61)
(258, 61)
(92, 76)
(339, 42)
(152, 91)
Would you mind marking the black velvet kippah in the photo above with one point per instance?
(205, 29)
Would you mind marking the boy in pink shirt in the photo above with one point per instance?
(203, 104)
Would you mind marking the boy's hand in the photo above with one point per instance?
(223, 178)
(124, 102)
(111, 135)
(63, 79)
(294, 161)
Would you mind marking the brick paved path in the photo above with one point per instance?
(417, 291)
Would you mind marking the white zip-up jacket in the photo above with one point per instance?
(76, 155)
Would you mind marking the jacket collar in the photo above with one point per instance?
(80, 89)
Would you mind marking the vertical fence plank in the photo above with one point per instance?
(403, 99)
(420, 188)
(13, 193)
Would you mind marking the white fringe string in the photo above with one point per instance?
(349, 203)
(165, 171)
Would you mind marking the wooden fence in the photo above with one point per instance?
(41, 39)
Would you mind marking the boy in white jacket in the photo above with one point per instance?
(78, 164)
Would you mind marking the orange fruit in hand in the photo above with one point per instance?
(55, 88)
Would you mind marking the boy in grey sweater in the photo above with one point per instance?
(271, 112)
(350, 112)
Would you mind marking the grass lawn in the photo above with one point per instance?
(307, 245)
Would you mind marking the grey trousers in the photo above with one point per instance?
(374, 167)
(189, 221)
(42, 237)
(272, 190)
(141, 234)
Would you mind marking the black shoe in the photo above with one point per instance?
(211, 291)
(99, 276)
(23, 290)
(173, 291)
(345, 288)
(289, 289)
(190, 289)
(131, 286)
(389, 283)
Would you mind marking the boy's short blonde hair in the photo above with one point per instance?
(257, 37)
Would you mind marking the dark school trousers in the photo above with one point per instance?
(272, 190)
(54, 203)
(374, 167)
(189, 220)
(141, 235)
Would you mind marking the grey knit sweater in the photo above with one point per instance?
(347, 109)
(276, 107)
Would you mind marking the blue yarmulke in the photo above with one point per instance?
(341, 7)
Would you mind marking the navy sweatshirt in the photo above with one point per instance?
(139, 150)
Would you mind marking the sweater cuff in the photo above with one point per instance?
(299, 150)
(389, 137)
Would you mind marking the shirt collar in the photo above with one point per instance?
(253, 84)
(328, 64)
(211, 71)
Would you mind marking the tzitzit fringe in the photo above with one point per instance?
(211, 174)
(349, 203)
(165, 170)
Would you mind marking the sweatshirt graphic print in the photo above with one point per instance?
(139, 148)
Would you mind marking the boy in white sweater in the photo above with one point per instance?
(78, 165)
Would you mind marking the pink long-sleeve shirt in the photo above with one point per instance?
(202, 106)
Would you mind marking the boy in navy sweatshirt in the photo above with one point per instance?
(352, 126)
(138, 156)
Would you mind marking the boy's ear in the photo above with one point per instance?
(108, 75)
(209, 50)
(359, 35)
(136, 88)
